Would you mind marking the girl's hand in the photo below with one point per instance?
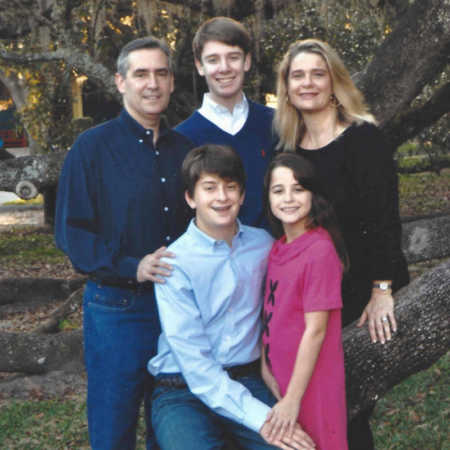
(283, 418)
(379, 313)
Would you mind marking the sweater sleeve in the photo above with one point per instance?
(373, 170)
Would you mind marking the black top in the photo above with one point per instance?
(358, 175)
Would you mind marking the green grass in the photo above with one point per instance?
(424, 193)
(49, 424)
(29, 246)
(413, 416)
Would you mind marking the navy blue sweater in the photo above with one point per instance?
(254, 143)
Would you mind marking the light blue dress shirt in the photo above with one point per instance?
(210, 315)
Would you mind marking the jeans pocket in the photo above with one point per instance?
(108, 298)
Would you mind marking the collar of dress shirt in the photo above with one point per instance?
(216, 113)
(208, 240)
(137, 129)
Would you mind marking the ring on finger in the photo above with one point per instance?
(384, 319)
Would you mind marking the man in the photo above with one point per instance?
(208, 384)
(222, 56)
(117, 207)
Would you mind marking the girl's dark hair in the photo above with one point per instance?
(322, 212)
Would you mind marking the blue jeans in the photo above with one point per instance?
(182, 422)
(121, 328)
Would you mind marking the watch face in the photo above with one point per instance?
(384, 286)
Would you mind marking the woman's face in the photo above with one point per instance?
(309, 83)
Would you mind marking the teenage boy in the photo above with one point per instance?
(117, 208)
(222, 56)
(207, 366)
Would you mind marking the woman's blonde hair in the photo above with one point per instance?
(348, 99)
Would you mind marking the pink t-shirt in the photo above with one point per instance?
(303, 276)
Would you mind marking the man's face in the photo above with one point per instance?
(147, 85)
(223, 67)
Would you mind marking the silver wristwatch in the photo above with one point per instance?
(384, 285)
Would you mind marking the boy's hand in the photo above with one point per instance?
(150, 266)
(299, 439)
(283, 417)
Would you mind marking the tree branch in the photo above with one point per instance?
(410, 123)
(81, 61)
(70, 305)
(423, 312)
(408, 59)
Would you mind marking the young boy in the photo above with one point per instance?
(207, 366)
(222, 56)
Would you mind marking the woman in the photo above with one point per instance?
(322, 116)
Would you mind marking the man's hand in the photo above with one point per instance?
(151, 268)
(299, 439)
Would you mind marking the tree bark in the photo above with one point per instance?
(426, 238)
(29, 175)
(33, 353)
(410, 58)
(69, 306)
(76, 59)
(38, 290)
(423, 336)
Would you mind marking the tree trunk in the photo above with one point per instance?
(423, 336)
(37, 290)
(411, 57)
(49, 205)
(29, 175)
(426, 238)
(33, 353)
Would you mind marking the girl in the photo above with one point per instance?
(303, 361)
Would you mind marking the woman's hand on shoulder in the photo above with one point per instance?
(379, 315)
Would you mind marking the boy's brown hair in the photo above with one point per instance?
(222, 29)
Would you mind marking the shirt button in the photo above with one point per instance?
(166, 208)
(148, 132)
(156, 153)
(163, 180)
(167, 238)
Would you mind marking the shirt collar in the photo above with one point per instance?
(137, 129)
(209, 241)
(209, 104)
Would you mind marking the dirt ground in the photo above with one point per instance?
(66, 382)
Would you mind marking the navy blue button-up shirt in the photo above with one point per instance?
(120, 197)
